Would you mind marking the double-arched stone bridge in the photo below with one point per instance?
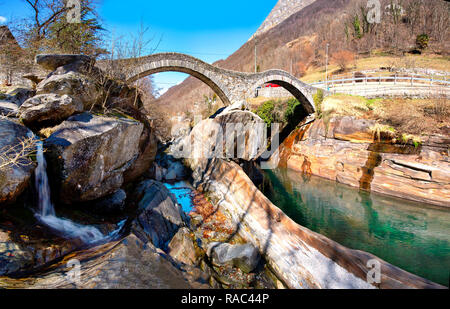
(230, 86)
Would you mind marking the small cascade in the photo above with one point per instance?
(41, 182)
(46, 214)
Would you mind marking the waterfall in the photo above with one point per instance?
(47, 216)
(41, 182)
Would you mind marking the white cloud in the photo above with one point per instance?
(3, 19)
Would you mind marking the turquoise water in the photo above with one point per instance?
(412, 236)
(182, 191)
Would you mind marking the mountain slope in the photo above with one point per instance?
(282, 10)
(298, 43)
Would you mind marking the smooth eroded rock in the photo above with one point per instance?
(297, 256)
(72, 83)
(53, 61)
(235, 134)
(160, 216)
(127, 264)
(8, 109)
(245, 257)
(350, 155)
(87, 155)
(14, 176)
(182, 247)
(111, 204)
(49, 109)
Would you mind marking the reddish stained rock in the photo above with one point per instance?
(348, 155)
(298, 256)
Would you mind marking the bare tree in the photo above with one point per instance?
(18, 154)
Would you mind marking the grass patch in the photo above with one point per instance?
(381, 59)
(412, 117)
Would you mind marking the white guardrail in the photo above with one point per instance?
(382, 79)
(373, 86)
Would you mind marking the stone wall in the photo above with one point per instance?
(271, 92)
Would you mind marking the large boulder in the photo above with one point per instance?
(19, 95)
(53, 61)
(148, 147)
(233, 134)
(246, 257)
(160, 216)
(48, 109)
(88, 155)
(13, 99)
(72, 83)
(8, 109)
(184, 249)
(113, 204)
(14, 143)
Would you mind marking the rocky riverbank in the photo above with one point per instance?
(347, 150)
(105, 177)
(299, 257)
(100, 152)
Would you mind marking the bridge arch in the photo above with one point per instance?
(230, 86)
(174, 62)
(301, 91)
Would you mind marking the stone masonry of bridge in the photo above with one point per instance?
(230, 86)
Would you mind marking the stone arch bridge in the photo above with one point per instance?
(230, 86)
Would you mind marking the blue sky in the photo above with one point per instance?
(207, 29)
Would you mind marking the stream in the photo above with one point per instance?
(410, 235)
(46, 211)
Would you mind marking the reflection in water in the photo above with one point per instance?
(412, 236)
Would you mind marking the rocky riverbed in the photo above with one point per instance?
(100, 152)
(106, 176)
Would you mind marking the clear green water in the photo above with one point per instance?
(412, 236)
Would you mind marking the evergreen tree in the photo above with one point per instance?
(50, 31)
(84, 37)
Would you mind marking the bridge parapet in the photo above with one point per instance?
(230, 86)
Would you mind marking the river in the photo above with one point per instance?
(412, 236)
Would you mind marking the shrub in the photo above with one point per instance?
(300, 69)
(266, 112)
(422, 41)
(440, 108)
(343, 59)
(318, 99)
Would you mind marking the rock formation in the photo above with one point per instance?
(48, 109)
(298, 256)
(345, 150)
(17, 165)
(159, 214)
(88, 155)
(282, 10)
